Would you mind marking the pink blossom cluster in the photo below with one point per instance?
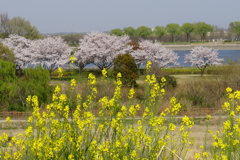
(156, 53)
(50, 52)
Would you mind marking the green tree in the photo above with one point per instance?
(72, 39)
(188, 28)
(125, 64)
(6, 53)
(173, 29)
(159, 31)
(236, 25)
(117, 32)
(22, 27)
(202, 29)
(130, 31)
(3, 25)
(144, 32)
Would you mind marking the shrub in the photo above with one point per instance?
(14, 91)
(227, 40)
(125, 64)
(7, 81)
(6, 53)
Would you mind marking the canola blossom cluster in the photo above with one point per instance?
(116, 133)
(52, 135)
(60, 72)
(226, 142)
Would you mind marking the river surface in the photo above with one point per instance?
(225, 54)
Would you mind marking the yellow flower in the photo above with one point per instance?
(148, 66)
(205, 154)
(133, 154)
(172, 127)
(104, 73)
(197, 156)
(73, 83)
(210, 131)
(232, 114)
(8, 119)
(131, 93)
(209, 117)
(226, 106)
(60, 72)
(72, 59)
(229, 90)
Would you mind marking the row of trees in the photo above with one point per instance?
(98, 48)
(173, 29)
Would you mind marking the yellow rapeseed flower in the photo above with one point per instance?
(73, 83)
(8, 119)
(72, 59)
(131, 93)
(60, 72)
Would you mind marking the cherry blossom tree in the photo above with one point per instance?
(159, 56)
(202, 57)
(102, 48)
(82, 60)
(20, 46)
(50, 52)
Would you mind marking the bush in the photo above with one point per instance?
(170, 81)
(227, 40)
(125, 64)
(6, 53)
(14, 91)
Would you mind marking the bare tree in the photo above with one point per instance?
(221, 33)
(3, 22)
(231, 31)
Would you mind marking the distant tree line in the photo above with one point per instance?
(170, 33)
(173, 32)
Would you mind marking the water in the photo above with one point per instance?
(231, 54)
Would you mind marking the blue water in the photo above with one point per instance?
(231, 54)
(225, 54)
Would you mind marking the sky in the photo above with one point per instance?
(52, 16)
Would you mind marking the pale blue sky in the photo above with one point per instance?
(51, 16)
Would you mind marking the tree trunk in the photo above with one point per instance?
(188, 37)
(204, 36)
(173, 40)
(202, 72)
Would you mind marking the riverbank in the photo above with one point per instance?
(209, 45)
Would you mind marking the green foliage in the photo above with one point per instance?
(173, 29)
(159, 31)
(117, 32)
(130, 31)
(6, 53)
(7, 71)
(36, 82)
(188, 28)
(22, 27)
(144, 32)
(14, 91)
(72, 39)
(7, 81)
(237, 28)
(125, 64)
(202, 28)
